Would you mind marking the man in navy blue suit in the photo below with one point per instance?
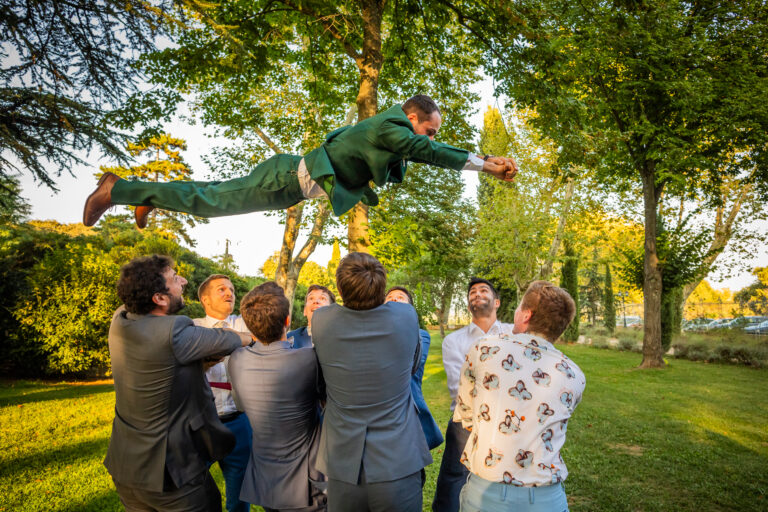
(317, 297)
(428, 424)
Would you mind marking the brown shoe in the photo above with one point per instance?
(100, 200)
(141, 214)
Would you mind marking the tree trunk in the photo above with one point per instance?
(369, 66)
(321, 216)
(290, 234)
(653, 356)
(546, 270)
(443, 313)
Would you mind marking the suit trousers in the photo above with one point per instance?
(272, 185)
(233, 465)
(401, 495)
(453, 474)
(199, 495)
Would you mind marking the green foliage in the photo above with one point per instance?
(681, 252)
(71, 306)
(755, 296)
(671, 315)
(570, 282)
(68, 82)
(421, 232)
(664, 96)
(165, 164)
(58, 291)
(13, 207)
(609, 304)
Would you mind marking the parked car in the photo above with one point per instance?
(632, 321)
(761, 328)
(720, 323)
(745, 321)
(697, 324)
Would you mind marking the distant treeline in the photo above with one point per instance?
(57, 291)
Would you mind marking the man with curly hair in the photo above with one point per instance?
(166, 429)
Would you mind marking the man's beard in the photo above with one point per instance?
(176, 304)
(481, 309)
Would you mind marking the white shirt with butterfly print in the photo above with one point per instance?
(456, 345)
(516, 394)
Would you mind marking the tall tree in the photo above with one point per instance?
(521, 224)
(165, 164)
(292, 68)
(609, 304)
(661, 95)
(569, 280)
(68, 82)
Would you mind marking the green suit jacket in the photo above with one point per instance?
(375, 149)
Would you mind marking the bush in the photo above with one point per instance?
(627, 345)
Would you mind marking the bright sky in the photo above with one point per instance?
(253, 237)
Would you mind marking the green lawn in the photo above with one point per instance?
(691, 437)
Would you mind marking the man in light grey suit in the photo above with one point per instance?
(280, 389)
(372, 447)
(166, 429)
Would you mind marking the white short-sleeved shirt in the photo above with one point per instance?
(455, 347)
(516, 394)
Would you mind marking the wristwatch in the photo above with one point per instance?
(486, 157)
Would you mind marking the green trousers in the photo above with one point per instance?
(272, 185)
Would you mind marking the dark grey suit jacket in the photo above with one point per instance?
(367, 358)
(279, 388)
(165, 417)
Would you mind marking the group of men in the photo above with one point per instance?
(331, 416)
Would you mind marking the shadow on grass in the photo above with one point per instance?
(104, 501)
(27, 395)
(44, 460)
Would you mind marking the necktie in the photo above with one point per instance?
(221, 324)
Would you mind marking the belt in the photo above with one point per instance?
(230, 416)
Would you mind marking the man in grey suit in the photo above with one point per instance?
(166, 429)
(372, 447)
(280, 389)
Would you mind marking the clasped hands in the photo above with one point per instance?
(500, 167)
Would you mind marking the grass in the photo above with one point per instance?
(692, 437)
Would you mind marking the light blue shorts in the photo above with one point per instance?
(480, 495)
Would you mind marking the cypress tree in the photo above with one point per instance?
(570, 282)
(609, 307)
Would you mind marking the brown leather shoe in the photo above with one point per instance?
(100, 200)
(141, 214)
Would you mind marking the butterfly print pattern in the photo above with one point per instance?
(541, 378)
(511, 422)
(509, 364)
(532, 353)
(544, 411)
(491, 381)
(520, 391)
(524, 458)
(565, 369)
(509, 479)
(515, 395)
(493, 458)
(487, 352)
(546, 438)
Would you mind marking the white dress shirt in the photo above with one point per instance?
(225, 404)
(455, 347)
(516, 395)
